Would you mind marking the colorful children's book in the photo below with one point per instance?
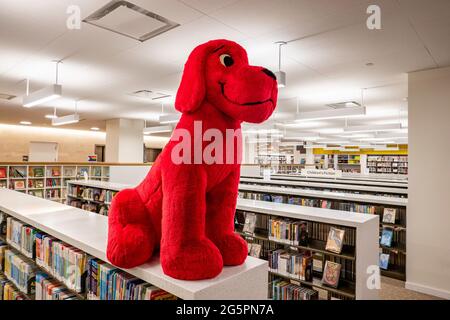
(386, 237)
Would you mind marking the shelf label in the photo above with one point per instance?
(330, 173)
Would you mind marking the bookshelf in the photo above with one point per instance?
(342, 180)
(47, 180)
(309, 185)
(359, 253)
(372, 205)
(365, 228)
(390, 164)
(94, 196)
(88, 231)
(349, 163)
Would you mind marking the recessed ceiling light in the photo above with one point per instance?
(331, 114)
(25, 123)
(95, 128)
(130, 20)
(51, 116)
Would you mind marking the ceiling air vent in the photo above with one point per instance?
(5, 96)
(346, 104)
(150, 95)
(130, 20)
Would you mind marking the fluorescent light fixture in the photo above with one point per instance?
(315, 146)
(41, 96)
(51, 116)
(263, 140)
(392, 135)
(299, 135)
(356, 136)
(95, 129)
(159, 129)
(344, 149)
(25, 123)
(281, 79)
(331, 114)
(60, 121)
(171, 118)
(374, 128)
(262, 131)
(386, 148)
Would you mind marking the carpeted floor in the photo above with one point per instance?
(392, 289)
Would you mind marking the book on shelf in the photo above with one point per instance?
(335, 240)
(386, 237)
(19, 184)
(3, 184)
(288, 231)
(52, 182)
(17, 172)
(331, 274)
(286, 290)
(37, 193)
(389, 215)
(384, 261)
(255, 250)
(69, 172)
(317, 262)
(37, 172)
(56, 172)
(293, 265)
(250, 223)
(20, 272)
(105, 282)
(2, 173)
(8, 291)
(48, 288)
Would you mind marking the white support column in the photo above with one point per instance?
(309, 158)
(124, 140)
(363, 164)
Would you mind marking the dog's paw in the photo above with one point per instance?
(233, 248)
(193, 261)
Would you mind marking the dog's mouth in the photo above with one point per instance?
(222, 89)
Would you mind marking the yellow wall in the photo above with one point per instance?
(403, 150)
(73, 145)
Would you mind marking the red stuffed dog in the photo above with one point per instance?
(188, 208)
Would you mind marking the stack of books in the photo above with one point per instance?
(292, 265)
(283, 290)
(19, 272)
(105, 282)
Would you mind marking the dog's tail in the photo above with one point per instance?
(131, 235)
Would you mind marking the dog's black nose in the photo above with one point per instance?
(269, 73)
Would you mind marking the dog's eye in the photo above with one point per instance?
(226, 60)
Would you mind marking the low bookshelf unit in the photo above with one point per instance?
(390, 210)
(42, 235)
(359, 252)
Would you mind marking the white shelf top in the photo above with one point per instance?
(366, 198)
(326, 185)
(338, 217)
(88, 231)
(100, 184)
(344, 180)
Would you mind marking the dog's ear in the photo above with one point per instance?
(192, 89)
